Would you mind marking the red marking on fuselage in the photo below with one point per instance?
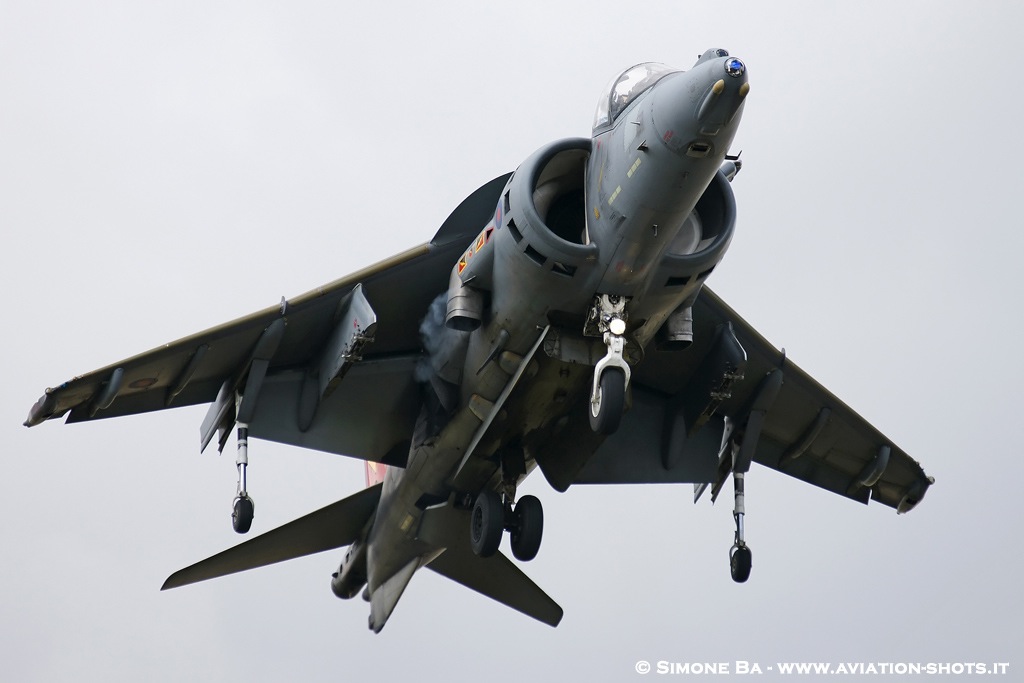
(375, 472)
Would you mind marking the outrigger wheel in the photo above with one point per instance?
(740, 562)
(243, 508)
(242, 514)
(739, 556)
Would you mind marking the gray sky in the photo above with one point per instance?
(165, 167)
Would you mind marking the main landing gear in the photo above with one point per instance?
(243, 508)
(611, 373)
(494, 513)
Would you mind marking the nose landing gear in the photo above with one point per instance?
(612, 372)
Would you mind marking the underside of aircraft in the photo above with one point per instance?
(558, 320)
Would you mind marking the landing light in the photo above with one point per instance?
(735, 67)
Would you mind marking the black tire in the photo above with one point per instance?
(242, 514)
(486, 523)
(528, 528)
(740, 562)
(606, 413)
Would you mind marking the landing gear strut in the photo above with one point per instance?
(243, 507)
(611, 373)
(739, 555)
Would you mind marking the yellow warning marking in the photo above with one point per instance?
(597, 213)
(632, 169)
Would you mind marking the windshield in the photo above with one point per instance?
(625, 88)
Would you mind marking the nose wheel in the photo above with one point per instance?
(608, 402)
(611, 373)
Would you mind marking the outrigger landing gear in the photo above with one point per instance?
(611, 373)
(739, 555)
(243, 508)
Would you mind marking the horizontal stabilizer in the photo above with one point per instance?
(334, 526)
(496, 576)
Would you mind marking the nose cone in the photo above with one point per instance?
(735, 67)
(703, 103)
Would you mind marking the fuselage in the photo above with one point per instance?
(613, 215)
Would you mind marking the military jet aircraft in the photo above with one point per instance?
(558, 320)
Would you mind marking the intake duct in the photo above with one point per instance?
(704, 238)
(543, 207)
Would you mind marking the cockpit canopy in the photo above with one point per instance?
(625, 88)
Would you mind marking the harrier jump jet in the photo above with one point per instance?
(558, 320)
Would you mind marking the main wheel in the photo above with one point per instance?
(486, 523)
(242, 514)
(606, 411)
(528, 528)
(740, 562)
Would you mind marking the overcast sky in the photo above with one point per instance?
(168, 166)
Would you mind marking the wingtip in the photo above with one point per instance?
(42, 410)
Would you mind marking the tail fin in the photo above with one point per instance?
(331, 527)
(375, 472)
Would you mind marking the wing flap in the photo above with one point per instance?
(334, 526)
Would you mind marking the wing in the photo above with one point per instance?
(778, 415)
(289, 358)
